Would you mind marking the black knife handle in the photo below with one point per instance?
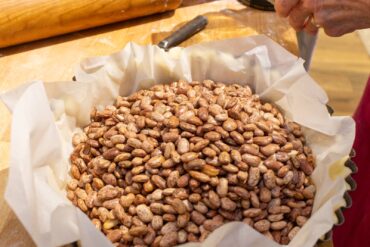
(259, 4)
(185, 32)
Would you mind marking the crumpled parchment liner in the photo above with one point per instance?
(45, 115)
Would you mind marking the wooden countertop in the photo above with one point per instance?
(54, 59)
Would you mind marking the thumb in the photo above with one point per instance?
(283, 7)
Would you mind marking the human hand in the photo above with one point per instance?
(336, 17)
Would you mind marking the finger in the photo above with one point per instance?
(299, 17)
(336, 23)
(335, 29)
(311, 27)
(283, 7)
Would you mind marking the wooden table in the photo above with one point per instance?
(54, 59)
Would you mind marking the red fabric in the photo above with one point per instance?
(355, 231)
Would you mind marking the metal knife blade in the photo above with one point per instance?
(306, 45)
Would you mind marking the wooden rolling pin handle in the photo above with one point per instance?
(22, 21)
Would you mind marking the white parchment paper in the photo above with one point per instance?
(45, 115)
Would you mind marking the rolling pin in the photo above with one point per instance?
(27, 20)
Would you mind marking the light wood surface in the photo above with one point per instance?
(341, 66)
(54, 59)
(25, 20)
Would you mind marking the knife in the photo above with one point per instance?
(306, 45)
